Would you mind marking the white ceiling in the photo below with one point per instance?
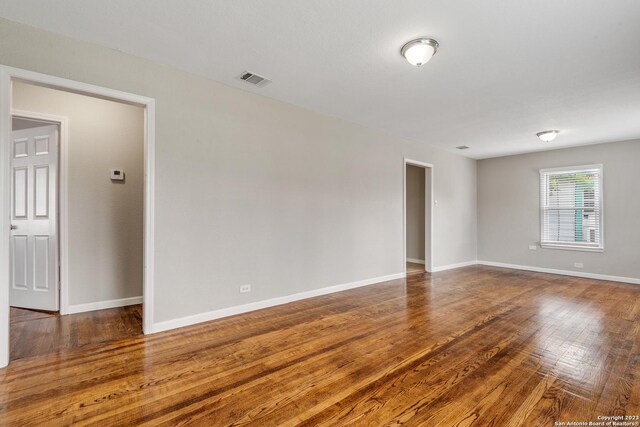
(505, 69)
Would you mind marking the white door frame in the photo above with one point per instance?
(9, 74)
(428, 201)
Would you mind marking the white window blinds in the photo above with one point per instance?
(571, 207)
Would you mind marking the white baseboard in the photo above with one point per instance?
(415, 260)
(239, 309)
(452, 266)
(101, 305)
(563, 272)
(230, 311)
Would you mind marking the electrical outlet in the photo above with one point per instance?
(578, 265)
(533, 247)
(245, 288)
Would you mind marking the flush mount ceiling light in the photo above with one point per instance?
(547, 135)
(419, 51)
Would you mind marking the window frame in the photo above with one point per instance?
(568, 245)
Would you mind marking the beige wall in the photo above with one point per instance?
(509, 209)
(105, 218)
(250, 190)
(415, 212)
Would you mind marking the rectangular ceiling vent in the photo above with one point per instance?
(462, 147)
(254, 79)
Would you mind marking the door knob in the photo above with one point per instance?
(14, 227)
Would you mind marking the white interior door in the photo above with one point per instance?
(33, 241)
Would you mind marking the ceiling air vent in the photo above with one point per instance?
(462, 147)
(254, 79)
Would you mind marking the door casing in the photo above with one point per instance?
(7, 76)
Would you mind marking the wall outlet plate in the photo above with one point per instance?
(578, 265)
(533, 247)
(245, 288)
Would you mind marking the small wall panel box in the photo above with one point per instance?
(117, 174)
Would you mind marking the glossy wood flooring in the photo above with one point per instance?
(35, 333)
(476, 346)
(413, 268)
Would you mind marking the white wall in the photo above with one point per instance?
(509, 209)
(104, 217)
(252, 190)
(415, 212)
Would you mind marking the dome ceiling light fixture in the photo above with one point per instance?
(419, 51)
(547, 135)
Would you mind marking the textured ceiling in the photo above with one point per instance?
(505, 69)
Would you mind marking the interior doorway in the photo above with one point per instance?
(39, 182)
(418, 190)
(102, 211)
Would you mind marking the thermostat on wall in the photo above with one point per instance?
(117, 174)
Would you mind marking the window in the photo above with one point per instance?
(571, 208)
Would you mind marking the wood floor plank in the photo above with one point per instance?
(475, 346)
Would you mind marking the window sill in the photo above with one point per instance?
(570, 247)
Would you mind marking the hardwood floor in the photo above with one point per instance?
(18, 315)
(35, 333)
(474, 346)
(413, 268)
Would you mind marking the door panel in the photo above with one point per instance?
(41, 198)
(20, 147)
(41, 263)
(19, 246)
(34, 240)
(42, 145)
(20, 193)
